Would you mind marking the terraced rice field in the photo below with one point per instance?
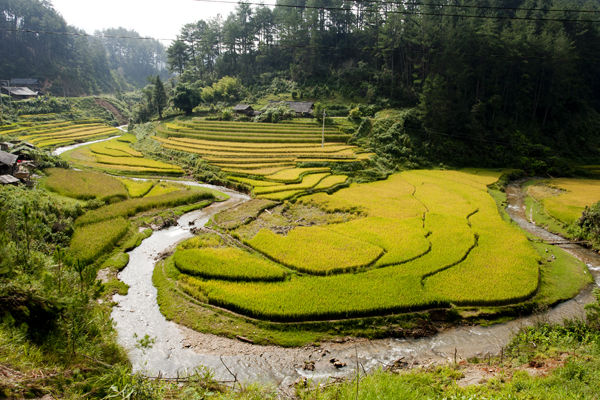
(424, 239)
(116, 157)
(565, 199)
(97, 231)
(251, 149)
(61, 133)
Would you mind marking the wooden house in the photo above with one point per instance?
(9, 180)
(301, 108)
(19, 93)
(8, 163)
(243, 109)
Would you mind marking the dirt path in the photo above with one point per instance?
(119, 117)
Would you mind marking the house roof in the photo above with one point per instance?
(242, 107)
(20, 91)
(7, 179)
(7, 158)
(24, 82)
(298, 106)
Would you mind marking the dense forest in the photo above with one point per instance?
(492, 82)
(67, 59)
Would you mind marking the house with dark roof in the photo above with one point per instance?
(302, 108)
(243, 109)
(34, 84)
(19, 93)
(8, 162)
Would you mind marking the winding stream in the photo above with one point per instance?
(178, 349)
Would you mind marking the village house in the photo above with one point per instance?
(301, 108)
(19, 93)
(8, 163)
(245, 109)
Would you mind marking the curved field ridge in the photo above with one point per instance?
(440, 238)
(565, 199)
(316, 250)
(227, 264)
(117, 157)
(242, 146)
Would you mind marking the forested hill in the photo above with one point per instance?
(74, 65)
(488, 79)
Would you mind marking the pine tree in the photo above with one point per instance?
(159, 96)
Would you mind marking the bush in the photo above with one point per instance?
(354, 114)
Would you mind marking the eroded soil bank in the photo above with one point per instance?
(177, 349)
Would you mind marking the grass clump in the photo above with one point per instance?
(84, 185)
(227, 264)
(234, 217)
(136, 240)
(117, 262)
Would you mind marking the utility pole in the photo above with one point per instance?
(323, 138)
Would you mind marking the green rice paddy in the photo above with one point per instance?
(423, 239)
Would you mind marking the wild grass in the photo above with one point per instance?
(234, 217)
(92, 240)
(84, 185)
(227, 264)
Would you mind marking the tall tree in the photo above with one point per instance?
(159, 96)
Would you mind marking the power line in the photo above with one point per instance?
(81, 34)
(464, 6)
(404, 12)
(423, 53)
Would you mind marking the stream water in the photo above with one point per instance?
(58, 151)
(177, 349)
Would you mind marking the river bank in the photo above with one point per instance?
(178, 349)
